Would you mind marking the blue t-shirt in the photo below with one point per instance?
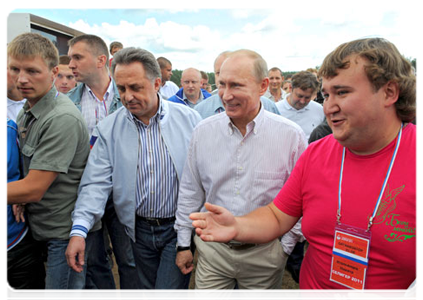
(15, 231)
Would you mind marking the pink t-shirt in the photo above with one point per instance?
(312, 191)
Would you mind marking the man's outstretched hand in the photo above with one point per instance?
(216, 225)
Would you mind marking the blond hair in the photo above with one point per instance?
(30, 45)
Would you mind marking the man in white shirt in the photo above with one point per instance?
(15, 101)
(238, 159)
(168, 88)
(298, 105)
(275, 91)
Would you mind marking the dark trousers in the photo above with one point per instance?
(25, 265)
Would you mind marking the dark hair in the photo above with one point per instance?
(276, 69)
(385, 64)
(64, 60)
(305, 80)
(130, 55)
(96, 45)
(115, 44)
(204, 75)
(163, 62)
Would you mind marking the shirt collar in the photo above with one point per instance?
(41, 106)
(186, 99)
(254, 126)
(106, 96)
(160, 114)
(289, 107)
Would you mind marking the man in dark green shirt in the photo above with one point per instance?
(55, 147)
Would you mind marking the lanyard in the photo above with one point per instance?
(388, 173)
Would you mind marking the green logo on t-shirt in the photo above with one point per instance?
(400, 228)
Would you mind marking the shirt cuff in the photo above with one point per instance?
(184, 237)
(80, 228)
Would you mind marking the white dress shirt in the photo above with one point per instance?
(308, 117)
(168, 89)
(271, 97)
(240, 173)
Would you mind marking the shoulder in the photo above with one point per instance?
(210, 102)
(177, 110)
(409, 133)
(315, 106)
(213, 122)
(171, 84)
(75, 93)
(205, 93)
(279, 120)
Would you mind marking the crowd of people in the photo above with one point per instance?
(108, 155)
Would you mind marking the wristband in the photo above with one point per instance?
(179, 248)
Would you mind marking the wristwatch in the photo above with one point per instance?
(180, 248)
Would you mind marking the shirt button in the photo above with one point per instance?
(152, 192)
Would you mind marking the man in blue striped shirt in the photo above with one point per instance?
(138, 156)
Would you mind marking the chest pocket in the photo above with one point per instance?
(27, 153)
(266, 185)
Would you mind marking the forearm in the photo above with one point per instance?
(263, 225)
(18, 193)
(30, 189)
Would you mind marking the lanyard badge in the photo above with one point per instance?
(350, 253)
(350, 256)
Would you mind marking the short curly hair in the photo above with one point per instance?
(385, 64)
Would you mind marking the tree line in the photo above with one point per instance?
(176, 76)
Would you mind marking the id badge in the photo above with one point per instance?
(350, 256)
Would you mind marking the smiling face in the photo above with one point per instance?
(354, 110)
(275, 80)
(32, 76)
(240, 90)
(137, 91)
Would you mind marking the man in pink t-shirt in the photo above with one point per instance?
(356, 188)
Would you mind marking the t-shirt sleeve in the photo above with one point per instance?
(58, 143)
(289, 199)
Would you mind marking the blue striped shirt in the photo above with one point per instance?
(157, 181)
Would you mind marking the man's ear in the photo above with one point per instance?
(157, 84)
(264, 85)
(101, 61)
(54, 72)
(391, 92)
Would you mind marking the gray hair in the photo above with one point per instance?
(130, 55)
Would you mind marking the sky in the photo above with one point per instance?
(292, 35)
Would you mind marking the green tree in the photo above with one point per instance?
(176, 77)
(415, 63)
